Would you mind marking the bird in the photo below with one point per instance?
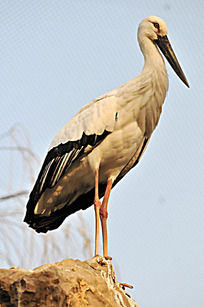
(104, 141)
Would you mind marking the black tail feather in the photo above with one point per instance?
(42, 223)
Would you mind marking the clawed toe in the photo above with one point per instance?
(108, 258)
(124, 284)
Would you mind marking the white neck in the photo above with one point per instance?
(155, 80)
(152, 57)
(154, 66)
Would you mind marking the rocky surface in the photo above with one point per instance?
(67, 283)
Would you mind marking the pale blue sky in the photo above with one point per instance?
(58, 55)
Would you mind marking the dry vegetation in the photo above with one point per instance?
(21, 246)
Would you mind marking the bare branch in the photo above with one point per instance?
(20, 148)
(17, 194)
(17, 240)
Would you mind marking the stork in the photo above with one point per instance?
(104, 140)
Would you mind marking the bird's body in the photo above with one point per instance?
(102, 142)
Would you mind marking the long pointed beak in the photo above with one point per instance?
(165, 47)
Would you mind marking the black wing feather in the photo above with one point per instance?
(57, 161)
(46, 223)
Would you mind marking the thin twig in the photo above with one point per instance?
(20, 148)
(6, 197)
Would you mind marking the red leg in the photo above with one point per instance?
(103, 216)
(97, 205)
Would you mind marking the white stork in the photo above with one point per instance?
(104, 140)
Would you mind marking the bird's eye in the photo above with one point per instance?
(156, 25)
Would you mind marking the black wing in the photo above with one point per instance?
(56, 162)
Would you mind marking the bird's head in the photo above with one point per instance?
(155, 29)
(152, 27)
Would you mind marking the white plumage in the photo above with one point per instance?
(104, 140)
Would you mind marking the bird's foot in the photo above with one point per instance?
(124, 284)
(108, 258)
